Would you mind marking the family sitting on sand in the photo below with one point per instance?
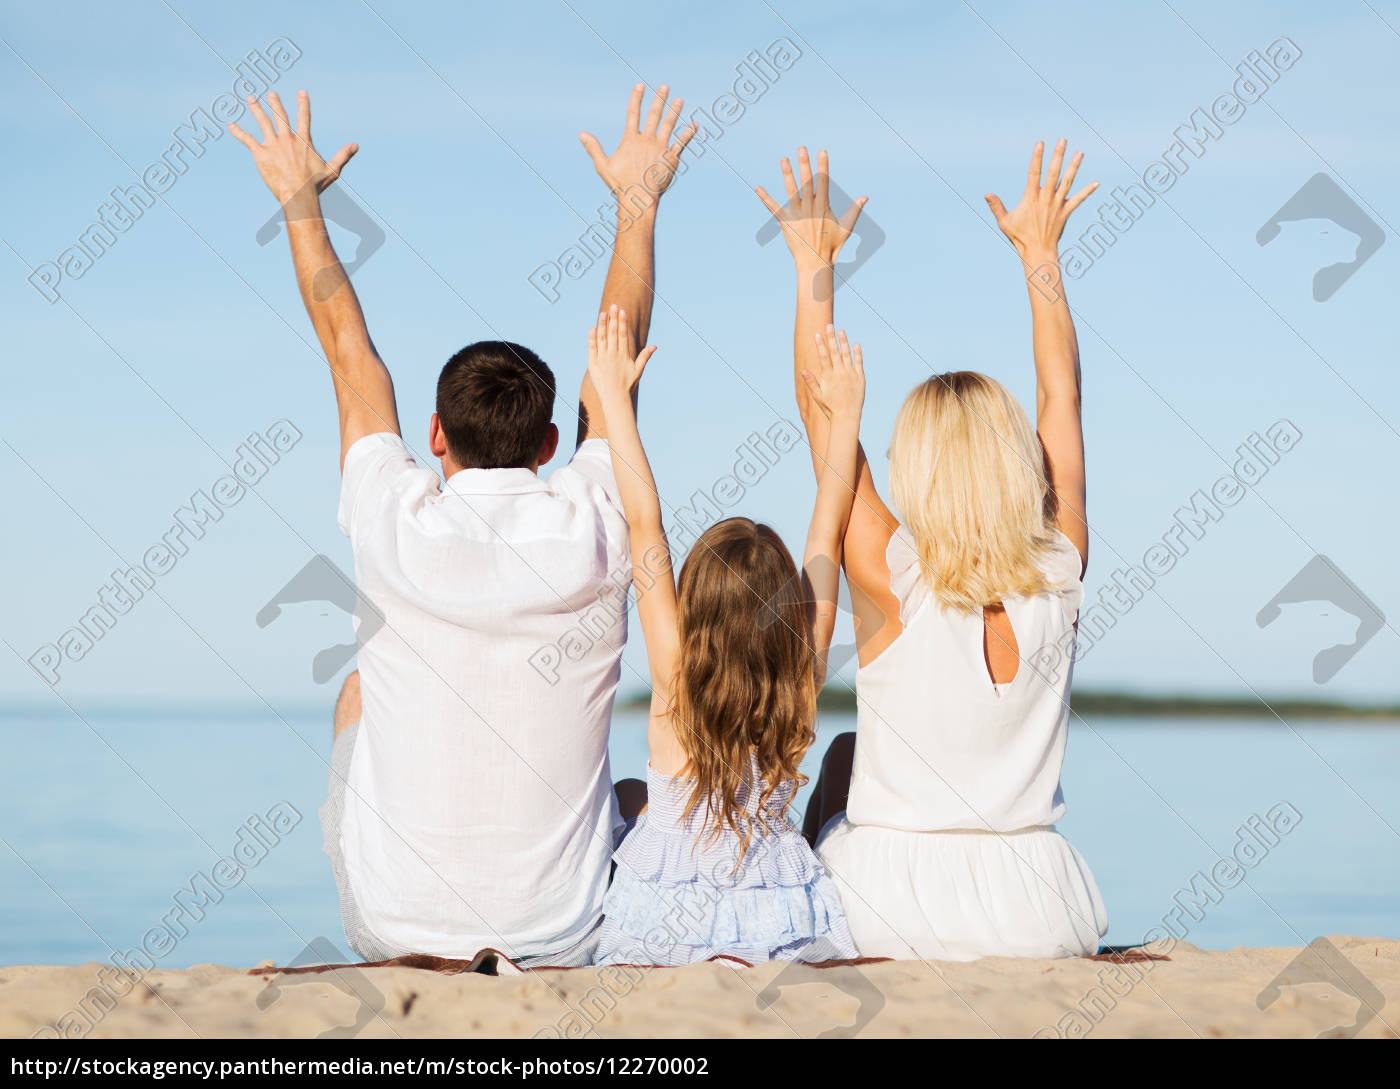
(471, 801)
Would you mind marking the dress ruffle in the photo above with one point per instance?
(680, 895)
(654, 852)
(698, 914)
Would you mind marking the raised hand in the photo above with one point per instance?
(646, 159)
(838, 383)
(611, 364)
(1036, 223)
(286, 159)
(811, 230)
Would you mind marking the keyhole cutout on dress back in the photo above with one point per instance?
(999, 648)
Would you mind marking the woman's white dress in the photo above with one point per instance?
(948, 848)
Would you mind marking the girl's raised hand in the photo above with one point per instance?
(838, 385)
(1035, 224)
(611, 363)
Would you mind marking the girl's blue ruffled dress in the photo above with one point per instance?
(677, 896)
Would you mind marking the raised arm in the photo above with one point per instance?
(836, 387)
(814, 236)
(637, 173)
(1034, 227)
(297, 176)
(616, 369)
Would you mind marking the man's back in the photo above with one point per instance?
(479, 808)
(472, 804)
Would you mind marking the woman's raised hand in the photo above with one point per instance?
(1035, 224)
(810, 228)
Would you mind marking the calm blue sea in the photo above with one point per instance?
(104, 821)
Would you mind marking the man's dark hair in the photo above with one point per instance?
(495, 400)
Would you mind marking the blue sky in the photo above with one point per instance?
(135, 389)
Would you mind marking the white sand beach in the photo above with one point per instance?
(1195, 993)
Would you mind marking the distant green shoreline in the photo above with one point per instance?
(1089, 704)
(1127, 704)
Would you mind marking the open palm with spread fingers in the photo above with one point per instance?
(612, 364)
(297, 175)
(646, 158)
(811, 229)
(838, 382)
(1034, 227)
(1036, 223)
(286, 159)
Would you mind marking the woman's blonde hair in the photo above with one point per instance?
(744, 697)
(969, 476)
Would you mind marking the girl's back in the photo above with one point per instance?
(737, 651)
(681, 895)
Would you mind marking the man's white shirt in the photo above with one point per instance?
(479, 807)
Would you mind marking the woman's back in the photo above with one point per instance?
(944, 845)
(940, 746)
(947, 849)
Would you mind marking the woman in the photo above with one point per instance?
(937, 821)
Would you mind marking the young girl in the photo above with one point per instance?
(946, 846)
(713, 866)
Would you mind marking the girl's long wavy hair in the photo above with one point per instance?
(744, 697)
(970, 479)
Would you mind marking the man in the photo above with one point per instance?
(471, 801)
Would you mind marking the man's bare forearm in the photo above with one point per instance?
(334, 313)
(296, 174)
(363, 388)
(631, 282)
(326, 292)
(631, 287)
(637, 173)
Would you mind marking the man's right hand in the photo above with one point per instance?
(286, 159)
(813, 233)
(645, 162)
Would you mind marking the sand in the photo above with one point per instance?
(1196, 993)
